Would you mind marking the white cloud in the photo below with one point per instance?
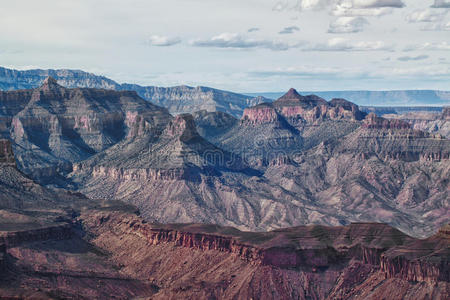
(443, 46)
(413, 58)
(313, 4)
(163, 41)
(341, 44)
(363, 5)
(301, 71)
(426, 15)
(289, 30)
(342, 10)
(441, 4)
(253, 29)
(238, 41)
(377, 3)
(347, 25)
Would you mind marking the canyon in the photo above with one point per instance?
(104, 194)
(295, 161)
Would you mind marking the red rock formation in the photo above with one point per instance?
(338, 270)
(260, 114)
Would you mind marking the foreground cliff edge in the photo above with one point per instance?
(110, 251)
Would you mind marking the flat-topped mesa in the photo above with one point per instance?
(183, 127)
(372, 121)
(260, 114)
(346, 109)
(6, 153)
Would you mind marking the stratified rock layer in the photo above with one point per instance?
(315, 262)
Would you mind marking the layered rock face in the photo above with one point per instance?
(302, 263)
(109, 252)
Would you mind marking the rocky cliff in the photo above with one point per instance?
(305, 262)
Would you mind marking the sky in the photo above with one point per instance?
(238, 45)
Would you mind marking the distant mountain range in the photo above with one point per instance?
(178, 99)
(186, 99)
(380, 98)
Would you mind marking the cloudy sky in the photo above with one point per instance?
(239, 45)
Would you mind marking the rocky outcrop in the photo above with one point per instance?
(415, 271)
(2, 258)
(182, 127)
